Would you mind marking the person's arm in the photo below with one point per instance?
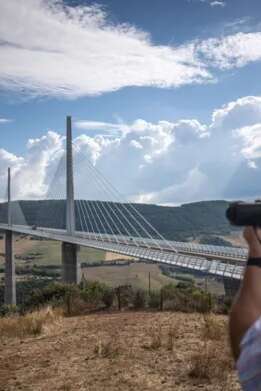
(246, 308)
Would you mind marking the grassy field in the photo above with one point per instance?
(49, 251)
(135, 274)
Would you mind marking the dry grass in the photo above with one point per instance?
(105, 351)
(172, 335)
(155, 338)
(106, 347)
(162, 337)
(30, 324)
(213, 328)
(211, 362)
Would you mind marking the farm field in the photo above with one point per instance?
(135, 274)
(48, 252)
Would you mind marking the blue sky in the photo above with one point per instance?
(118, 63)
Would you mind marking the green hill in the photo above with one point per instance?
(184, 222)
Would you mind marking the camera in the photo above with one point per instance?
(244, 213)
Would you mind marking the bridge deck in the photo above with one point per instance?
(219, 261)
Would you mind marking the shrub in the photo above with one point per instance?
(186, 279)
(73, 298)
(183, 285)
(72, 301)
(223, 305)
(108, 297)
(186, 298)
(201, 301)
(25, 289)
(7, 310)
(169, 291)
(93, 293)
(175, 299)
(154, 300)
(53, 293)
(139, 299)
(124, 294)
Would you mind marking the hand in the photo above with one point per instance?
(253, 238)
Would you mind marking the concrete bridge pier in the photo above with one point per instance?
(10, 283)
(231, 286)
(70, 266)
(71, 272)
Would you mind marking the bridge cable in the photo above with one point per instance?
(128, 221)
(103, 182)
(86, 208)
(131, 206)
(115, 204)
(85, 221)
(113, 221)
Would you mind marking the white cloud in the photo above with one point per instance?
(251, 138)
(237, 114)
(252, 164)
(71, 52)
(178, 193)
(5, 120)
(77, 51)
(93, 126)
(232, 51)
(8, 159)
(32, 173)
(164, 162)
(136, 144)
(217, 3)
(212, 3)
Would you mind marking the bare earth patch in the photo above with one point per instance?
(118, 351)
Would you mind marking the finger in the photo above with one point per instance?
(249, 233)
(250, 236)
(258, 234)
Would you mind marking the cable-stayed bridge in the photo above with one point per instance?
(107, 222)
